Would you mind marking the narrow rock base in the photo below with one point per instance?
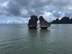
(32, 28)
(44, 27)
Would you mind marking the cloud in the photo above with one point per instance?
(48, 16)
(26, 8)
(13, 9)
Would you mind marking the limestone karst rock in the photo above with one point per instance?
(33, 22)
(43, 23)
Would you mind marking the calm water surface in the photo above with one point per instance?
(18, 39)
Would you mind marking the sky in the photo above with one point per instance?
(19, 11)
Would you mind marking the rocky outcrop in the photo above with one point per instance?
(33, 22)
(43, 23)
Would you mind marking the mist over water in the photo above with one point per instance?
(18, 39)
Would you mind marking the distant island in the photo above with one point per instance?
(32, 23)
(64, 20)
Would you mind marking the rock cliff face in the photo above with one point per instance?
(33, 21)
(43, 23)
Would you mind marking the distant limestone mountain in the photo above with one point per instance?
(64, 20)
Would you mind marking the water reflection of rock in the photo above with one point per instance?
(32, 33)
(33, 38)
(44, 32)
(44, 36)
